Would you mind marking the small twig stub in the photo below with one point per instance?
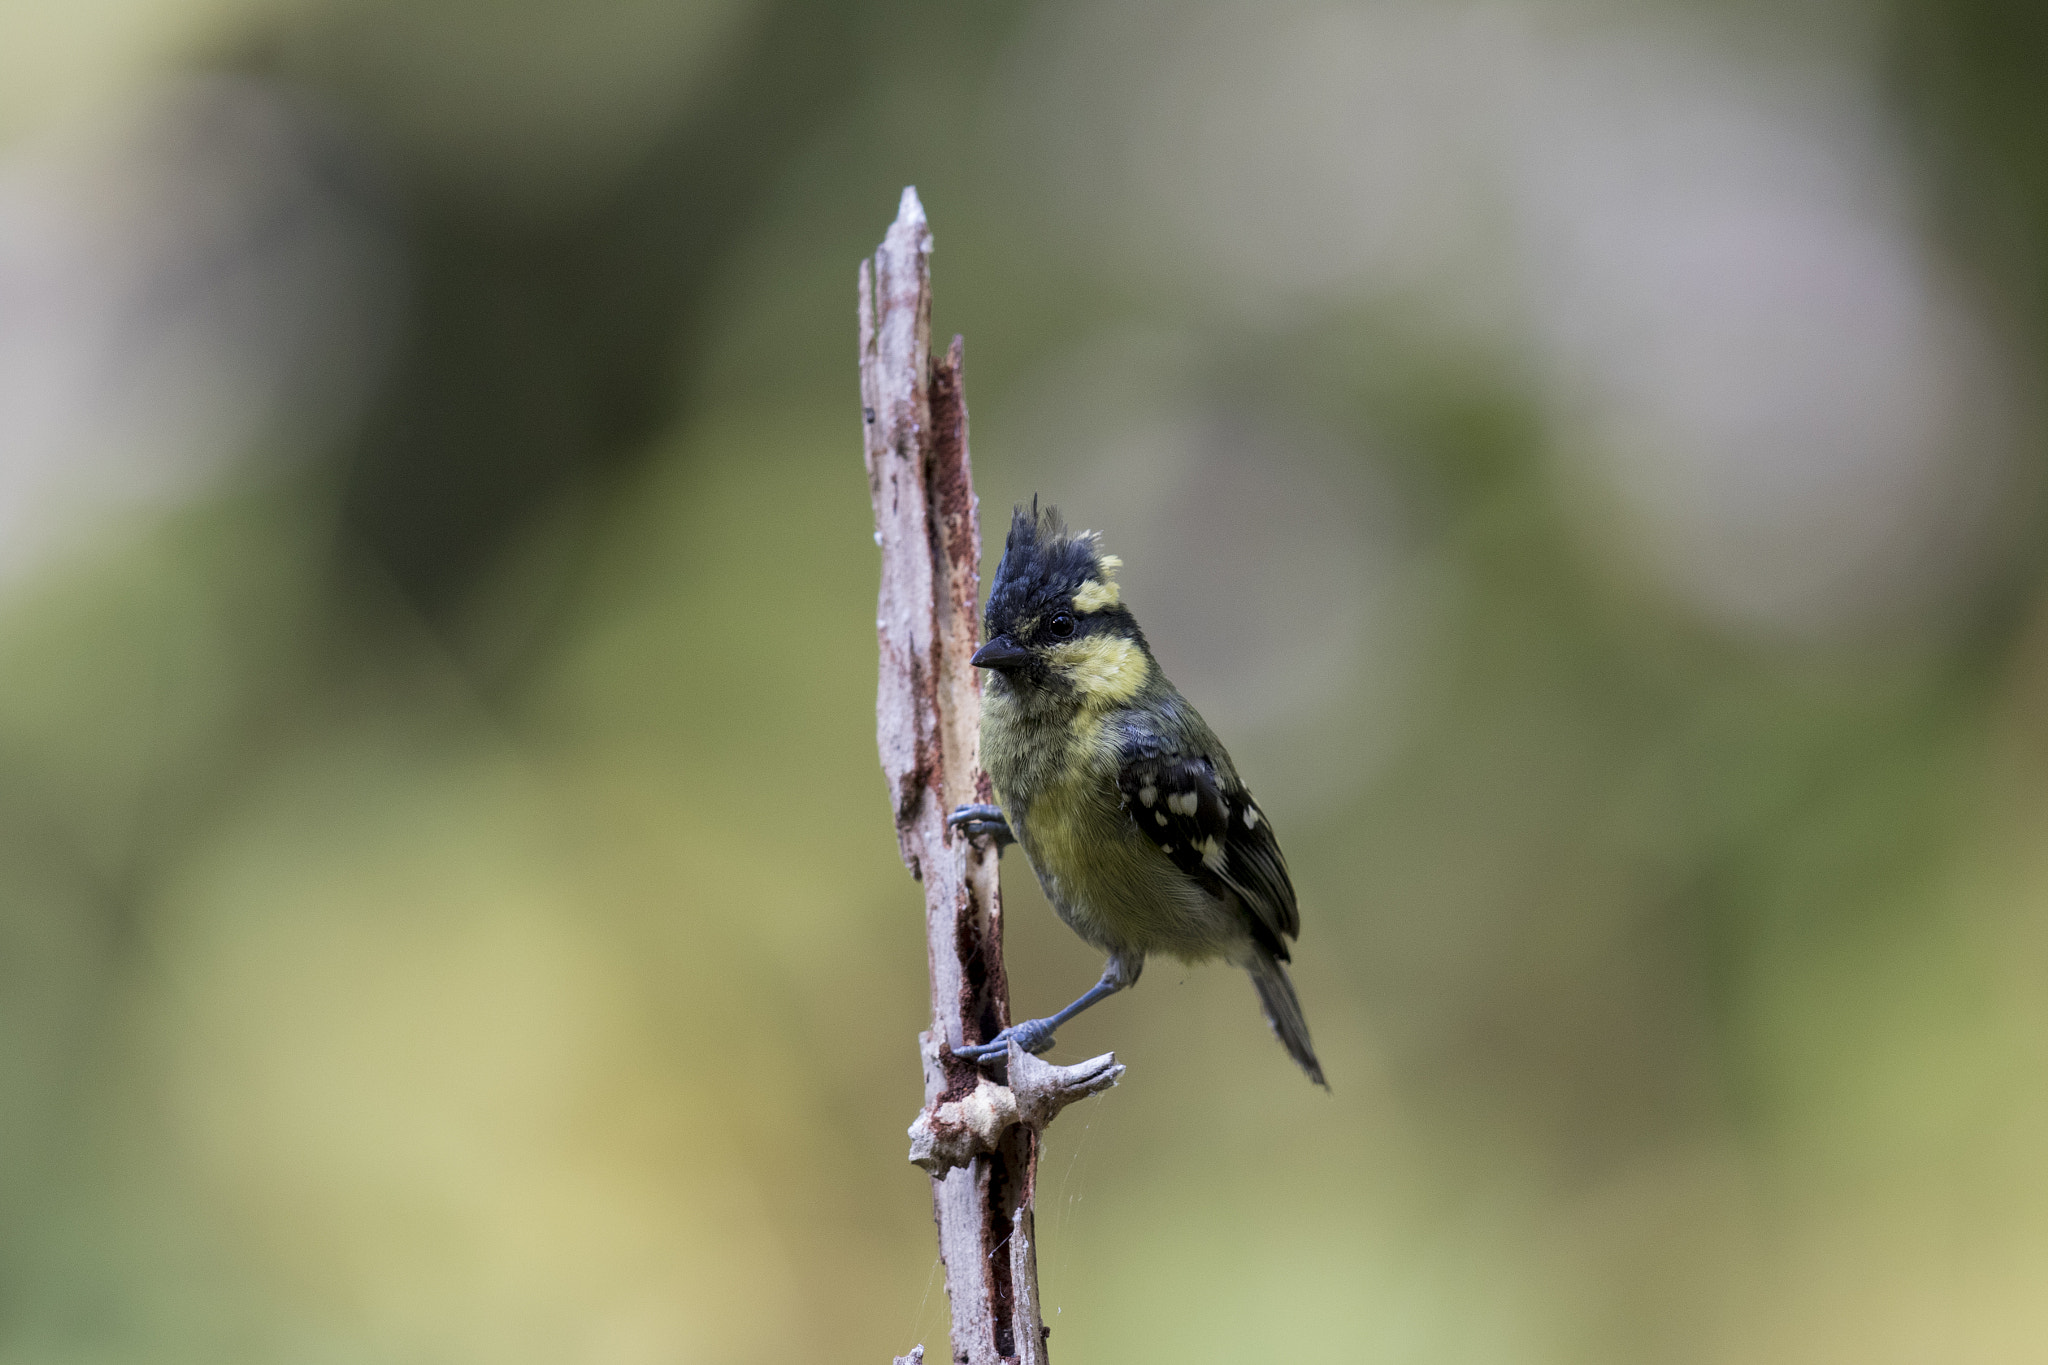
(952, 1132)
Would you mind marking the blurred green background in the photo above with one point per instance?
(1587, 458)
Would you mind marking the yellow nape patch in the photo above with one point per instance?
(1104, 669)
(1095, 595)
(1110, 564)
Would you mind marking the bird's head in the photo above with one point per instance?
(1055, 620)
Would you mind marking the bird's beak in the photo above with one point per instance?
(1001, 652)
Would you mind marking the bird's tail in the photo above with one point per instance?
(1283, 1012)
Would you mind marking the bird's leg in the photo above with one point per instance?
(1035, 1035)
(980, 820)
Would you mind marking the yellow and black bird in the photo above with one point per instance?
(1120, 794)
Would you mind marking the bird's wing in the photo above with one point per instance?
(1214, 832)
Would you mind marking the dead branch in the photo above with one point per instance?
(978, 1138)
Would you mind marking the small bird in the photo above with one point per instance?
(1119, 793)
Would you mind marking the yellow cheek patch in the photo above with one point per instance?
(1095, 595)
(1103, 669)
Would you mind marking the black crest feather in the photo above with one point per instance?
(1042, 561)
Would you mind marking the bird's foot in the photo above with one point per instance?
(1033, 1035)
(976, 821)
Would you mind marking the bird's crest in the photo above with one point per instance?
(1042, 559)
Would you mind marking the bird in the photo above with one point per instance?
(1123, 800)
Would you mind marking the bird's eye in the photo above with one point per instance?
(1062, 625)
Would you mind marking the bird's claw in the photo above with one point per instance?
(1033, 1035)
(977, 820)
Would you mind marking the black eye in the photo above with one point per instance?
(1061, 626)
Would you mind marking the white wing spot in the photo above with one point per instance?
(1251, 816)
(1148, 794)
(1160, 816)
(1182, 803)
(1212, 853)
